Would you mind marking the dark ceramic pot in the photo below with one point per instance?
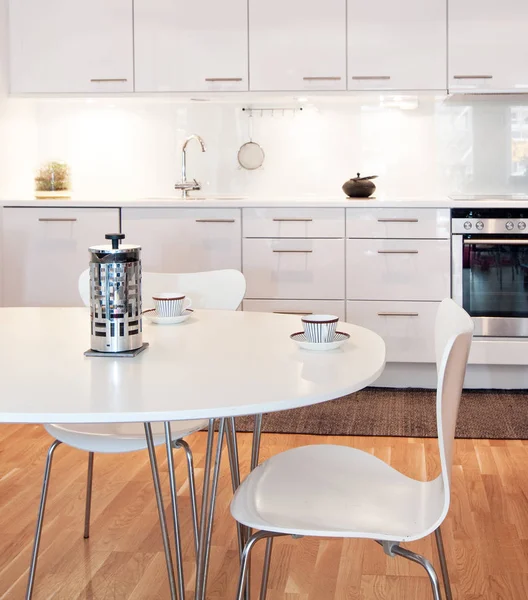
(359, 187)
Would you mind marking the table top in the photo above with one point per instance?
(216, 364)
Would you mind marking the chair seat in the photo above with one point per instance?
(119, 437)
(336, 491)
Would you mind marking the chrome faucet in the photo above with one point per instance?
(184, 185)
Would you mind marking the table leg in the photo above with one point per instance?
(161, 510)
(208, 506)
(234, 464)
(174, 504)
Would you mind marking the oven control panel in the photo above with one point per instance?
(490, 221)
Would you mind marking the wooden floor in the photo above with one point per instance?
(486, 532)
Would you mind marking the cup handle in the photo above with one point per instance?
(188, 303)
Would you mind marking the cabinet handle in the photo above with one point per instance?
(398, 314)
(371, 77)
(397, 251)
(321, 78)
(215, 220)
(57, 220)
(293, 251)
(397, 220)
(293, 220)
(108, 80)
(224, 79)
(291, 312)
(472, 76)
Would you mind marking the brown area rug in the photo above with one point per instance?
(404, 413)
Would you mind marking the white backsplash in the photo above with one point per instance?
(130, 147)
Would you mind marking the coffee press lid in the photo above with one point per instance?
(115, 252)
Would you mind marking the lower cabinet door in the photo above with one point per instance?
(298, 307)
(406, 327)
(310, 269)
(46, 249)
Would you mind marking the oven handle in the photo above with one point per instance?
(498, 242)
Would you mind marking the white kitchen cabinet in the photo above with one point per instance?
(46, 249)
(71, 46)
(198, 45)
(488, 45)
(297, 45)
(293, 222)
(401, 223)
(185, 240)
(298, 307)
(294, 269)
(398, 269)
(397, 45)
(407, 328)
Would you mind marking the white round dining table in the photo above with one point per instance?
(215, 365)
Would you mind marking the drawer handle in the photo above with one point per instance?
(57, 220)
(473, 77)
(224, 79)
(371, 77)
(293, 251)
(397, 220)
(397, 251)
(291, 312)
(398, 314)
(321, 78)
(293, 220)
(108, 80)
(215, 220)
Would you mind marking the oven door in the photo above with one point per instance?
(490, 280)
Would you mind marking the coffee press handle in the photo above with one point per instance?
(115, 237)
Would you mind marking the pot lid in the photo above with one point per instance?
(116, 247)
(359, 178)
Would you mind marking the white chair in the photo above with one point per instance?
(337, 491)
(222, 290)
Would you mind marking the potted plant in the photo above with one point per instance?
(53, 181)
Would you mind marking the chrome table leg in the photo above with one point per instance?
(40, 519)
(88, 508)
(234, 464)
(208, 506)
(443, 564)
(161, 510)
(174, 505)
(192, 489)
(266, 568)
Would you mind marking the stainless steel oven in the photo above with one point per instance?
(490, 269)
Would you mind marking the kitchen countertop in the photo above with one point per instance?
(222, 201)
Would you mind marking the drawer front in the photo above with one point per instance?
(294, 222)
(294, 269)
(407, 328)
(398, 223)
(398, 269)
(298, 307)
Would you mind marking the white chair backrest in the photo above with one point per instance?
(453, 335)
(220, 290)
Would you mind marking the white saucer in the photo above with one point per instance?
(300, 339)
(153, 317)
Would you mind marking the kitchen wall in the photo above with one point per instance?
(130, 147)
(3, 84)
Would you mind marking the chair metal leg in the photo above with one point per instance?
(174, 504)
(161, 510)
(40, 518)
(243, 580)
(266, 568)
(234, 465)
(443, 564)
(192, 489)
(88, 508)
(421, 560)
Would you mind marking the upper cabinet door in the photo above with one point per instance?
(191, 45)
(297, 45)
(488, 45)
(71, 46)
(397, 45)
